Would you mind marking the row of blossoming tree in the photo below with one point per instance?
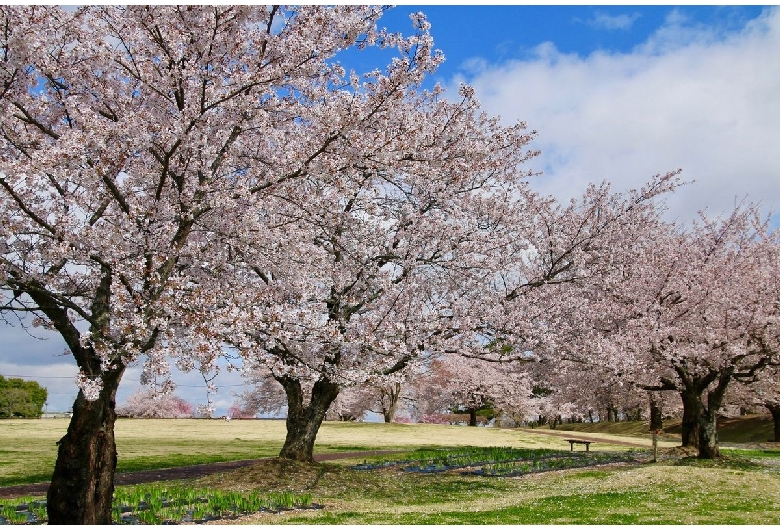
(184, 184)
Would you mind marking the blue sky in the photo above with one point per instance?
(616, 93)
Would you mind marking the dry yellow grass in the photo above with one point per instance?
(28, 447)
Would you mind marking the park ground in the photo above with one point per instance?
(741, 488)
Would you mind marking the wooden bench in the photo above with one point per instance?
(584, 442)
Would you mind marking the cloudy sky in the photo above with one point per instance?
(616, 93)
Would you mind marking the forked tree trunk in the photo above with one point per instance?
(304, 420)
(82, 486)
(390, 398)
(774, 409)
(700, 418)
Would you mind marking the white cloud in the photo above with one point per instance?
(699, 99)
(603, 20)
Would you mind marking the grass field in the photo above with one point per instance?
(28, 447)
(743, 488)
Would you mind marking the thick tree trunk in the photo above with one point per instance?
(82, 486)
(656, 413)
(304, 420)
(708, 435)
(472, 417)
(700, 418)
(690, 418)
(774, 409)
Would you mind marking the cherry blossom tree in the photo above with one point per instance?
(349, 276)
(265, 395)
(471, 384)
(767, 392)
(150, 403)
(131, 139)
(696, 311)
(428, 392)
(764, 392)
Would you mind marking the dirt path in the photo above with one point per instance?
(174, 473)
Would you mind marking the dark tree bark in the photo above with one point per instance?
(700, 418)
(774, 409)
(472, 417)
(304, 420)
(82, 486)
(691, 401)
(656, 412)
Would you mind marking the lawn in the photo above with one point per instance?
(743, 488)
(28, 447)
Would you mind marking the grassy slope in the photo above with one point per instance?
(667, 493)
(753, 428)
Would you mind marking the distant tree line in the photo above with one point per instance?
(21, 399)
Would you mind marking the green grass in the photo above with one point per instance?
(31, 450)
(742, 488)
(157, 504)
(752, 453)
(650, 494)
(29, 447)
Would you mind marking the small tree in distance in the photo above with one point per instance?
(149, 403)
(20, 398)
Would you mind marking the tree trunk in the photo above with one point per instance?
(699, 418)
(390, 401)
(690, 418)
(472, 417)
(82, 486)
(708, 435)
(304, 421)
(774, 409)
(656, 413)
